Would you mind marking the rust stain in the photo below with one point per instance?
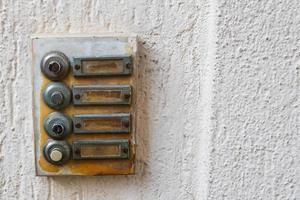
(91, 167)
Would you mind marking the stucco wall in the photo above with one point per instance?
(172, 156)
(255, 142)
(219, 98)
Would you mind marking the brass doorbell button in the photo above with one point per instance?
(57, 125)
(57, 152)
(57, 95)
(55, 65)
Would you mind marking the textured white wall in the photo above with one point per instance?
(173, 143)
(256, 143)
(219, 98)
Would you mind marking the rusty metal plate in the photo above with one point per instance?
(102, 66)
(101, 123)
(112, 94)
(100, 149)
(101, 94)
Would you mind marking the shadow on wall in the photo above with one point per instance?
(121, 182)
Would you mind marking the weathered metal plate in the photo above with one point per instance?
(101, 94)
(100, 149)
(101, 123)
(102, 66)
(84, 46)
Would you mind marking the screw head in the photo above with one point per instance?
(127, 96)
(126, 124)
(77, 151)
(78, 125)
(128, 65)
(77, 96)
(77, 67)
(125, 150)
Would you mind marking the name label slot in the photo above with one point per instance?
(101, 94)
(102, 66)
(101, 123)
(100, 149)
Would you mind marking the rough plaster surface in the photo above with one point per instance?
(173, 144)
(219, 105)
(255, 141)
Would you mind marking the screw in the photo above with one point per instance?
(127, 96)
(77, 67)
(77, 96)
(128, 65)
(57, 98)
(78, 125)
(77, 151)
(126, 124)
(125, 150)
(54, 67)
(58, 129)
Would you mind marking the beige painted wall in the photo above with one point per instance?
(172, 162)
(219, 93)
